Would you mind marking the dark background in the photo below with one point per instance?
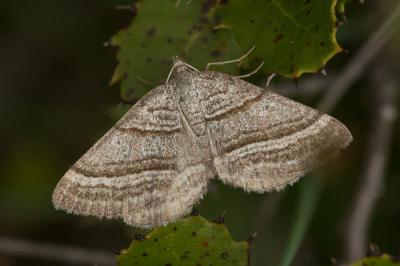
(55, 102)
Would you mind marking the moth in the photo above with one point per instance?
(155, 163)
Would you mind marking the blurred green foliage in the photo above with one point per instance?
(188, 241)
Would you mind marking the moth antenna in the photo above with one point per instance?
(252, 72)
(233, 60)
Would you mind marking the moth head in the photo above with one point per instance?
(179, 65)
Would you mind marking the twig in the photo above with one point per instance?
(357, 65)
(374, 168)
(55, 252)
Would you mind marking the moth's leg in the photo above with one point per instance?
(212, 143)
(270, 77)
(231, 61)
(251, 73)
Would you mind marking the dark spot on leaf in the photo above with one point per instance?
(207, 5)
(224, 2)
(148, 59)
(175, 228)
(308, 13)
(252, 21)
(169, 40)
(316, 27)
(198, 264)
(168, 264)
(277, 38)
(151, 32)
(224, 255)
(276, 30)
(268, 22)
(204, 39)
(206, 254)
(143, 45)
(193, 234)
(183, 256)
(144, 254)
(189, 32)
(308, 43)
(155, 239)
(204, 244)
(291, 68)
(215, 53)
(186, 252)
(307, 2)
(322, 44)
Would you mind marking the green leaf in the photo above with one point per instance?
(292, 37)
(189, 241)
(162, 30)
(384, 260)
